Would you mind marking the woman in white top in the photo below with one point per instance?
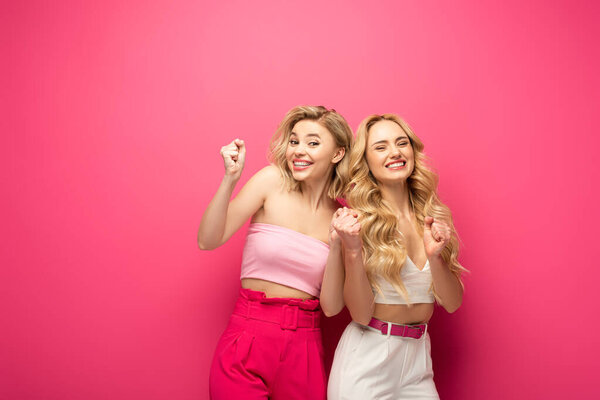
(400, 255)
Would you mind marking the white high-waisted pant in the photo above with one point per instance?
(370, 365)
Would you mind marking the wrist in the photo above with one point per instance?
(353, 253)
(335, 244)
(231, 178)
(436, 261)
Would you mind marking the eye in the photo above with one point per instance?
(403, 143)
(380, 148)
(293, 142)
(313, 143)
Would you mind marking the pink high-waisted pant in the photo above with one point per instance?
(271, 349)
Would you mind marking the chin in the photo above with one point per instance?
(394, 180)
(298, 177)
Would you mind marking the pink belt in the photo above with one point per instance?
(411, 331)
(290, 313)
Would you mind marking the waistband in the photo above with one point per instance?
(389, 328)
(289, 313)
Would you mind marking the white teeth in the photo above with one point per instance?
(398, 164)
(301, 163)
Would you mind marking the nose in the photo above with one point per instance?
(299, 149)
(395, 152)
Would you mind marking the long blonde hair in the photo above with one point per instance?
(384, 251)
(334, 123)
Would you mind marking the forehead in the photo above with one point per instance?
(307, 127)
(385, 130)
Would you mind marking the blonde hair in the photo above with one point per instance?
(384, 251)
(334, 123)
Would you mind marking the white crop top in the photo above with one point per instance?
(417, 283)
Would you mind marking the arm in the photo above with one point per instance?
(357, 289)
(223, 218)
(447, 286)
(358, 295)
(332, 288)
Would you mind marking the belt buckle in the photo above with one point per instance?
(289, 318)
(423, 330)
(385, 328)
(418, 328)
(400, 329)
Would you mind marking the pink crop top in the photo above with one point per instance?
(282, 255)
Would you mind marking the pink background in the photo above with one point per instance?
(114, 114)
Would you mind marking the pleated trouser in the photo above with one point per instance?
(271, 349)
(369, 365)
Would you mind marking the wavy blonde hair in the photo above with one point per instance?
(384, 251)
(335, 124)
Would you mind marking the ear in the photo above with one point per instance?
(339, 154)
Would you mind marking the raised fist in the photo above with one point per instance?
(234, 155)
(436, 235)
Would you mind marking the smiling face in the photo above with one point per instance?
(311, 151)
(389, 153)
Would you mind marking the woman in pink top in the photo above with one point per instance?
(272, 345)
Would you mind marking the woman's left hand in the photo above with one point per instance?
(436, 235)
(346, 225)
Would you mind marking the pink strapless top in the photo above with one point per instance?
(282, 255)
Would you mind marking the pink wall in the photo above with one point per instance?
(114, 113)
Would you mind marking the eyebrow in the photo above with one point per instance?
(310, 134)
(385, 141)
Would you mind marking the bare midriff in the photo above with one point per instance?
(402, 314)
(272, 289)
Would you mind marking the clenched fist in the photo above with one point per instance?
(436, 235)
(234, 155)
(345, 227)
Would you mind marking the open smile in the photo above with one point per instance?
(300, 165)
(396, 164)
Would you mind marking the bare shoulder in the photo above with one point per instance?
(269, 175)
(265, 181)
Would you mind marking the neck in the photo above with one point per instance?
(397, 196)
(315, 192)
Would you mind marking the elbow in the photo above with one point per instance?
(202, 245)
(331, 311)
(363, 320)
(208, 242)
(362, 314)
(452, 308)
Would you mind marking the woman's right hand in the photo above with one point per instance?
(334, 238)
(234, 155)
(346, 226)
